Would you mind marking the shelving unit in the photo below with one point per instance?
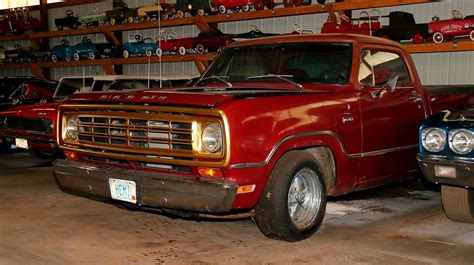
(205, 23)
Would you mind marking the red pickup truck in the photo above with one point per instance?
(272, 128)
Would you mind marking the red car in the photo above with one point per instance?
(19, 21)
(235, 5)
(451, 28)
(210, 41)
(172, 45)
(362, 25)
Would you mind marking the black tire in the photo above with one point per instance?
(458, 203)
(272, 212)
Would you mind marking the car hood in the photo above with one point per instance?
(466, 114)
(44, 110)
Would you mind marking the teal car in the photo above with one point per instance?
(140, 47)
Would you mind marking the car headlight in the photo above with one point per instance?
(460, 141)
(433, 139)
(71, 127)
(211, 137)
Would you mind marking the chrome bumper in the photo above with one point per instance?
(464, 170)
(153, 189)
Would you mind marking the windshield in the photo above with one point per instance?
(302, 63)
(135, 84)
(69, 86)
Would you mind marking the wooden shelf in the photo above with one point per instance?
(456, 45)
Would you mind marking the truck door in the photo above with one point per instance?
(391, 111)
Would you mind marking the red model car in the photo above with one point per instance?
(172, 45)
(18, 22)
(235, 5)
(362, 25)
(211, 41)
(455, 27)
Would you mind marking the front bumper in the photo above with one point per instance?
(153, 189)
(464, 170)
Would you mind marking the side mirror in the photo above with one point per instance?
(389, 86)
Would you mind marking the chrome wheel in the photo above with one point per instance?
(304, 198)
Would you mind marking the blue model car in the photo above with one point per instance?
(64, 51)
(140, 47)
(86, 50)
(447, 157)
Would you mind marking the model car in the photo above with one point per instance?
(170, 44)
(364, 25)
(150, 12)
(22, 21)
(402, 26)
(194, 7)
(291, 3)
(121, 14)
(139, 47)
(254, 33)
(235, 5)
(107, 50)
(86, 49)
(63, 51)
(447, 157)
(210, 41)
(458, 26)
(94, 19)
(69, 21)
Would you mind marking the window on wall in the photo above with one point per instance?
(7, 4)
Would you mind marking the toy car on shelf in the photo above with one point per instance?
(402, 26)
(69, 21)
(18, 22)
(85, 49)
(291, 3)
(107, 50)
(254, 33)
(141, 46)
(94, 19)
(201, 7)
(121, 14)
(210, 41)
(170, 44)
(63, 51)
(364, 25)
(458, 26)
(151, 12)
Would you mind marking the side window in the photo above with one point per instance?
(377, 68)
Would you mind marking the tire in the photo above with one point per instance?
(112, 21)
(182, 50)
(159, 52)
(148, 53)
(417, 38)
(200, 48)
(288, 3)
(278, 213)
(222, 9)
(180, 13)
(458, 203)
(54, 58)
(259, 5)
(246, 8)
(130, 20)
(438, 37)
(125, 54)
(60, 27)
(306, 2)
(68, 59)
(201, 12)
(76, 56)
(91, 56)
(164, 16)
(471, 35)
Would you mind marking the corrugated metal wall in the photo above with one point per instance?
(435, 68)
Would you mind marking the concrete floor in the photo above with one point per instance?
(39, 224)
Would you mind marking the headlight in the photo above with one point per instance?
(433, 139)
(460, 141)
(71, 127)
(212, 138)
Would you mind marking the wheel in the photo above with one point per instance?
(201, 12)
(259, 5)
(200, 48)
(148, 53)
(112, 21)
(159, 52)
(438, 37)
(471, 35)
(91, 56)
(222, 9)
(125, 54)
(76, 56)
(306, 2)
(164, 16)
(288, 3)
(246, 8)
(182, 50)
(417, 38)
(180, 13)
(60, 27)
(297, 2)
(130, 20)
(84, 25)
(54, 58)
(458, 203)
(101, 22)
(68, 59)
(293, 203)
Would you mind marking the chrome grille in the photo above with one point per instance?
(136, 132)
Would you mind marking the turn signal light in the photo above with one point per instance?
(245, 189)
(71, 156)
(210, 172)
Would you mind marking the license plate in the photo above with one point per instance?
(445, 171)
(21, 143)
(123, 190)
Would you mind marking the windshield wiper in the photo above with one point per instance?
(220, 78)
(282, 77)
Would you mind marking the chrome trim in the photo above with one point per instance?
(453, 158)
(330, 133)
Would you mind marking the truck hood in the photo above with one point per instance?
(206, 97)
(33, 110)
